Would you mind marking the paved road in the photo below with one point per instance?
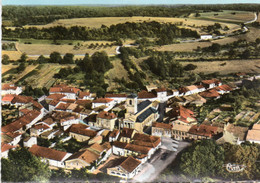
(150, 171)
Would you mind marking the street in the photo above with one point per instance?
(150, 170)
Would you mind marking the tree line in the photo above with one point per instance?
(126, 30)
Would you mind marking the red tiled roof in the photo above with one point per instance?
(62, 106)
(191, 87)
(37, 104)
(103, 100)
(203, 130)
(83, 94)
(25, 111)
(224, 88)
(200, 86)
(55, 96)
(106, 115)
(8, 98)
(127, 132)
(6, 147)
(54, 102)
(216, 81)
(114, 133)
(121, 145)
(20, 122)
(130, 164)
(145, 94)
(49, 121)
(138, 148)
(210, 93)
(64, 89)
(162, 125)
(22, 99)
(110, 95)
(160, 89)
(40, 126)
(81, 129)
(67, 118)
(9, 87)
(182, 112)
(68, 100)
(83, 102)
(183, 90)
(146, 140)
(48, 153)
(86, 155)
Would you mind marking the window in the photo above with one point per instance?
(130, 102)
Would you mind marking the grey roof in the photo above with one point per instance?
(132, 95)
(146, 114)
(143, 105)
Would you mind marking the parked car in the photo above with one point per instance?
(164, 156)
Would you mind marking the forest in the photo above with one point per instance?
(36, 15)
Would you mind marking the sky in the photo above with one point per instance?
(120, 2)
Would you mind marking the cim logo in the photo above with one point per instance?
(234, 168)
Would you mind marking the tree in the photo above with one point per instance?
(190, 67)
(203, 158)
(21, 67)
(5, 59)
(23, 166)
(246, 54)
(55, 57)
(23, 57)
(41, 59)
(68, 59)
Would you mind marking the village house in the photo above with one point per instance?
(118, 98)
(161, 129)
(127, 149)
(81, 132)
(37, 129)
(212, 93)
(68, 121)
(253, 135)
(161, 94)
(5, 149)
(125, 167)
(206, 37)
(145, 95)
(208, 84)
(233, 134)
(12, 138)
(180, 131)
(144, 140)
(182, 115)
(188, 90)
(70, 92)
(106, 120)
(86, 95)
(107, 102)
(50, 156)
(197, 132)
(22, 123)
(139, 116)
(90, 157)
(113, 136)
(195, 99)
(7, 99)
(10, 89)
(29, 141)
(57, 97)
(51, 134)
(222, 89)
(126, 135)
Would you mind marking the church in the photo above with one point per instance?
(139, 115)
